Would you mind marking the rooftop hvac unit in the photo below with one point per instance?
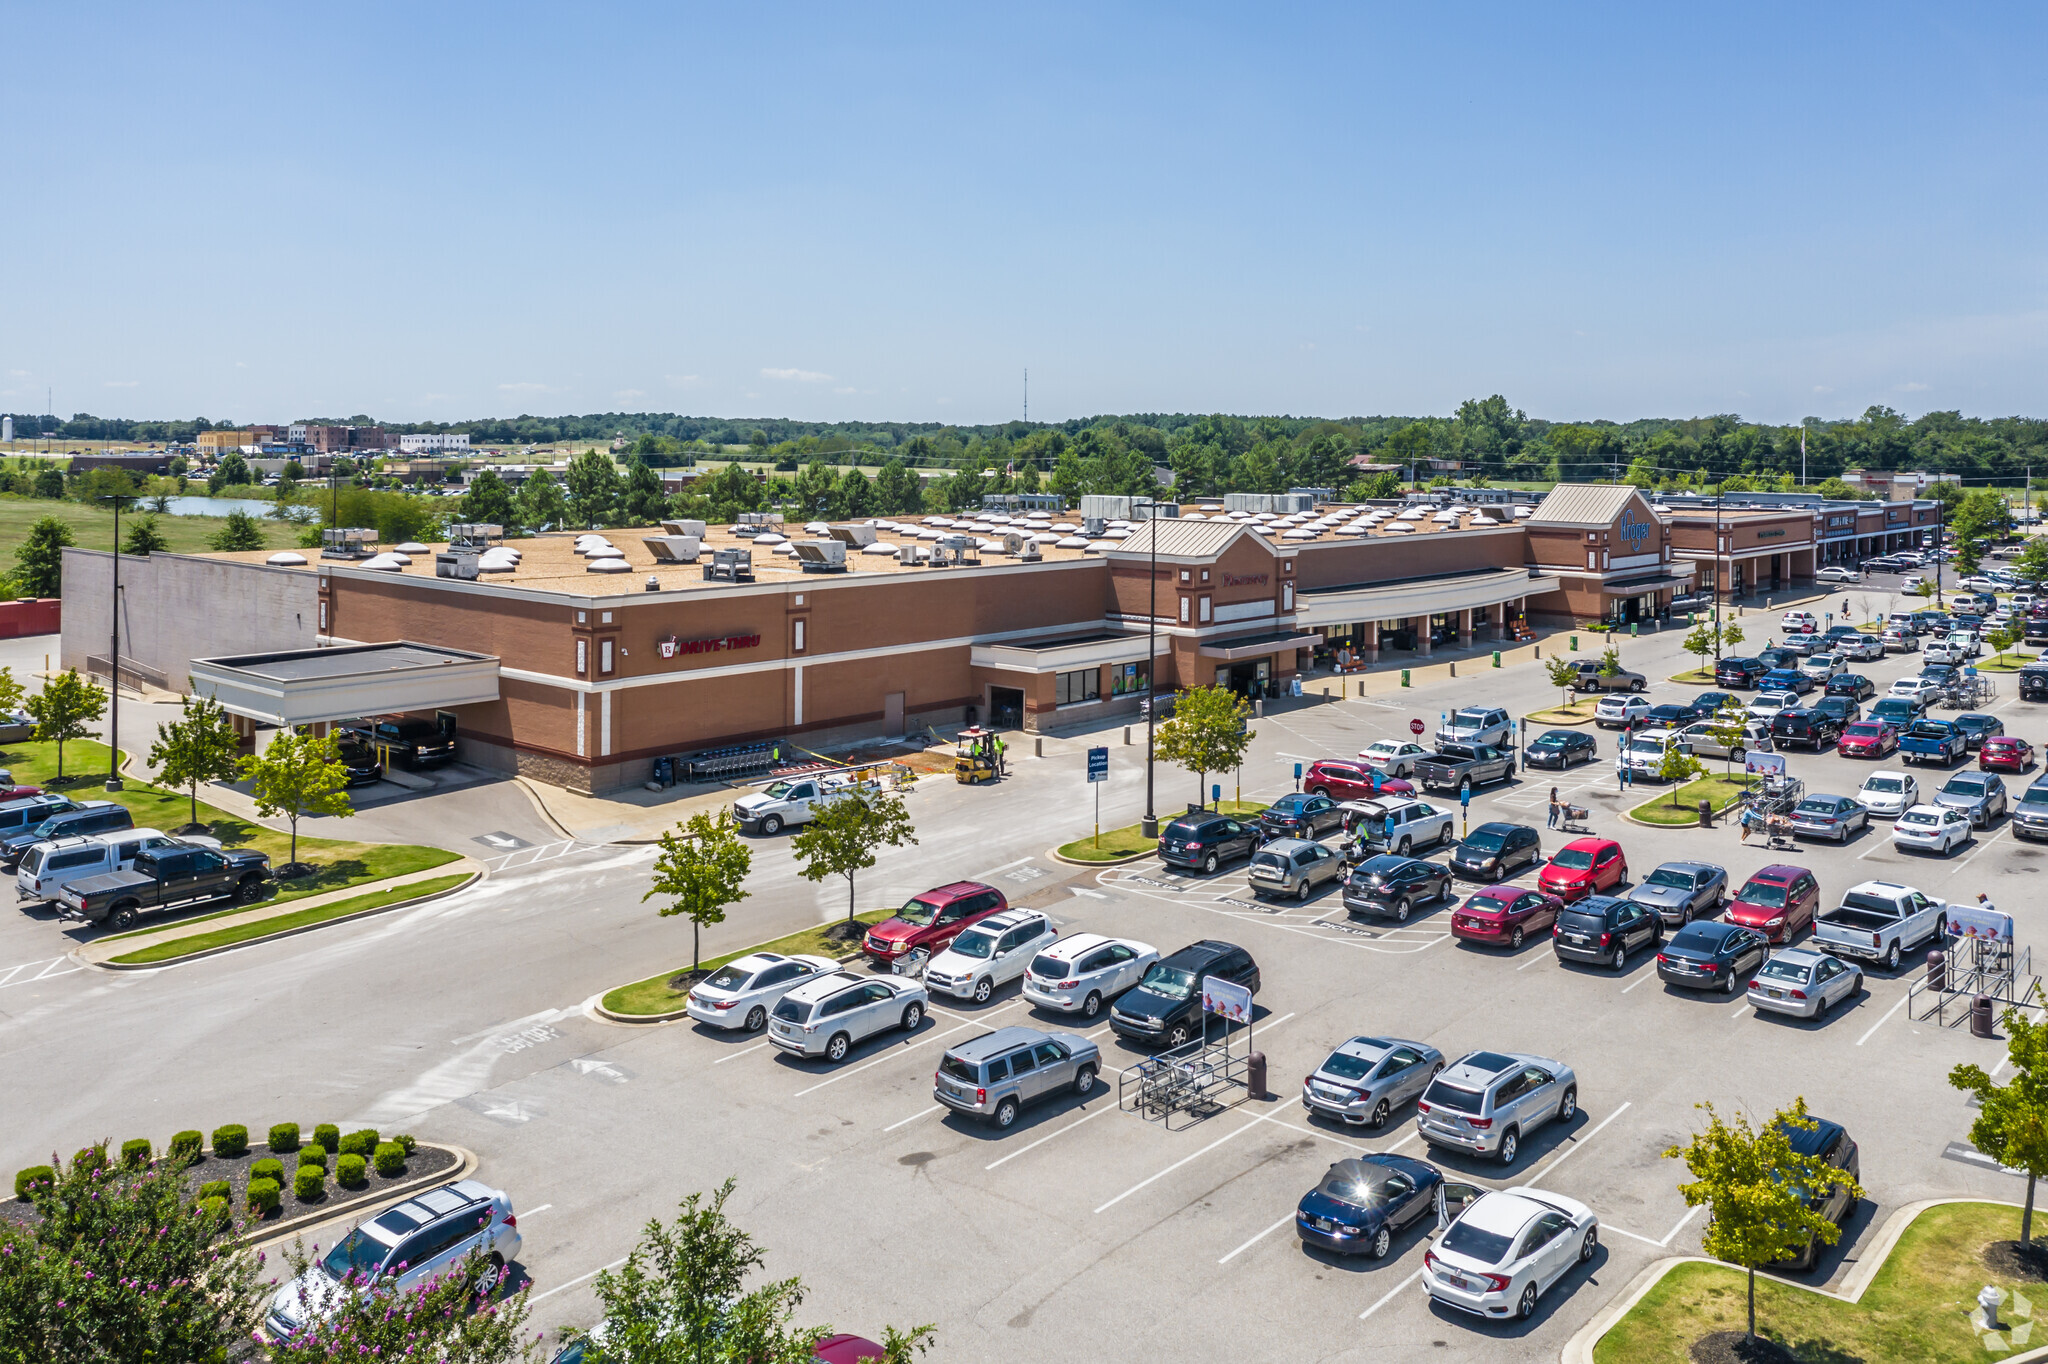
(753, 523)
(350, 542)
(858, 537)
(695, 528)
(731, 565)
(673, 549)
(910, 554)
(960, 549)
(1093, 526)
(458, 563)
(477, 534)
(820, 556)
(1020, 546)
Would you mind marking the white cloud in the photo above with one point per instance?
(628, 393)
(800, 376)
(1822, 388)
(845, 390)
(1912, 388)
(120, 383)
(17, 374)
(682, 380)
(524, 388)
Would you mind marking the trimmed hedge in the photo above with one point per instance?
(213, 1188)
(186, 1146)
(313, 1153)
(284, 1138)
(271, 1169)
(348, 1171)
(309, 1182)
(264, 1196)
(390, 1159)
(359, 1143)
(328, 1135)
(231, 1141)
(26, 1180)
(405, 1139)
(136, 1152)
(215, 1208)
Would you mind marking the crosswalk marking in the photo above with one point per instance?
(38, 970)
(546, 852)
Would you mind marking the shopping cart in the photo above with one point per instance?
(1575, 818)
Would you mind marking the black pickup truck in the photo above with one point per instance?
(166, 878)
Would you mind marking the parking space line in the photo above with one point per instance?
(1311, 1132)
(1531, 962)
(1624, 1231)
(1390, 1295)
(577, 1280)
(966, 1018)
(1153, 1179)
(1882, 1021)
(1004, 1160)
(1578, 1144)
(1980, 849)
(891, 1054)
(911, 1119)
(542, 1208)
(738, 1054)
(1256, 1239)
(49, 971)
(1741, 1009)
(1647, 975)
(1690, 1213)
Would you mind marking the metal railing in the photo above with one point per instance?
(133, 674)
(1192, 1082)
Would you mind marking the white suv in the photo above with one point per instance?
(1401, 826)
(47, 868)
(993, 952)
(1082, 973)
(825, 1017)
(1799, 623)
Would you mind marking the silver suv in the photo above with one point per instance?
(424, 1237)
(825, 1017)
(996, 1074)
(1487, 1102)
(1293, 866)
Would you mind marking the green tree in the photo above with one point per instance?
(1731, 634)
(231, 472)
(681, 1296)
(299, 774)
(1562, 672)
(238, 532)
(1676, 768)
(1610, 661)
(854, 498)
(144, 537)
(2032, 563)
(49, 483)
(698, 871)
(592, 481)
(2011, 1125)
(1701, 640)
(1381, 484)
(120, 1265)
(64, 709)
(843, 836)
(200, 745)
(39, 561)
(541, 504)
(644, 502)
(1207, 732)
(442, 1318)
(489, 500)
(897, 491)
(1730, 728)
(1763, 1198)
(814, 486)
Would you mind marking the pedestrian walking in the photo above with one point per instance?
(1553, 807)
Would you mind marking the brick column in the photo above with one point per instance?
(1371, 647)
(1465, 628)
(1421, 627)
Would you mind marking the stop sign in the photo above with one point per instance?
(1415, 727)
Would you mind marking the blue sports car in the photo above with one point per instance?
(1362, 1202)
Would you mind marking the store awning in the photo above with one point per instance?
(304, 686)
(1636, 587)
(1241, 647)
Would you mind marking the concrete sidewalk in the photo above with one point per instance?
(100, 950)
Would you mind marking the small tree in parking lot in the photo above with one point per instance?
(1730, 728)
(1677, 767)
(1762, 1197)
(1206, 733)
(1562, 672)
(1701, 640)
(64, 707)
(200, 745)
(843, 837)
(1610, 661)
(699, 869)
(300, 774)
(1731, 634)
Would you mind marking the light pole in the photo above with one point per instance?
(1717, 576)
(1149, 828)
(114, 653)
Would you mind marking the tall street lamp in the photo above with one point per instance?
(1717, 575)
(1149, 828)
(114, 653)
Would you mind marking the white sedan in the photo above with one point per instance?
(1766, 704)
(742, 993)
(1834, 574)
(1804, 984)
(1394, 757)
(1889, 793)
(1931, 828)
(1082, 973)
(1496, 1257)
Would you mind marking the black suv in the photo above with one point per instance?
(360, 760)
(1814, 729)
(1207, 840)
(1739, 672)
(1495, 849)
(1392, 884)
(2034, 682)
(1832, 1143)
(1165, 1008)
(412, 741)
(1301, 815)
(1601, 928)
(93, 817)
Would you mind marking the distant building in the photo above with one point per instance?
(7, 429)
(419, 443)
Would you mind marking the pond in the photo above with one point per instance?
(214, 506)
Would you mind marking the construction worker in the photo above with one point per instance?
(997, 740)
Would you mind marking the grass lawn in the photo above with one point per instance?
(1917, 1308)
(1574, 712)
(337, 863)
(93, 527)
(1696, 677)
(1716, 788)
(2011, 661)
(652, 995)
(222, 937)
(1129, 841)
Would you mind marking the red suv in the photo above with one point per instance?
(1582, 867)
(930, 921)
(1351, 781)
(1778, 902)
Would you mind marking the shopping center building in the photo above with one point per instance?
(581, 664)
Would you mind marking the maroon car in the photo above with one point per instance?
(1351, 781)
(2005, 753)
(1777, 902)
(1506, 915)
(929, 921)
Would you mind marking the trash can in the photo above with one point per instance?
(1937, 970)
(1575, 643)
(1255, 1075)
(1980, 1016)
(1404, 677)
(1706, 813)
(665, 771)
(1496, 658)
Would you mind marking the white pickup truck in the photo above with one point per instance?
(791, 801)
(1878, 921)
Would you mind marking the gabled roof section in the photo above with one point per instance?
(1586, 506)
(1181, 540)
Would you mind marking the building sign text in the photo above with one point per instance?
(1631, 532)
(1244, 580)
(671, 646)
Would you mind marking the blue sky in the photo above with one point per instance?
(445, 211)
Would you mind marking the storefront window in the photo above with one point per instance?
(1084, 685)
(1125, 678)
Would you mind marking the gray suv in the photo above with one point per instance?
(1489, 1101)
(999, 1072)
(1293, 866)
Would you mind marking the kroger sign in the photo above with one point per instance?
(1632, 533)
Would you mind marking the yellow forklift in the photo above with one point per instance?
(974, 758)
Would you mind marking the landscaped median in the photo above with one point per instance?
(249, 926)
(1918, 1305)
(1570, 713)
(1680, 808)
(653, 999)
(1129, 843)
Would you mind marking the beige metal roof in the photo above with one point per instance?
(1586, 506)
(1180, 538)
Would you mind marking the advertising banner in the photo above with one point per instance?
(1227, 999)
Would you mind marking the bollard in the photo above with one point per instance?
(1259, 708)
(1937, 970)
(1496, 658)
(1255, 1075)
(1980, 1016)
(1127, 736)
(1706, 813)
(1038, 747)
(1404, 677)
